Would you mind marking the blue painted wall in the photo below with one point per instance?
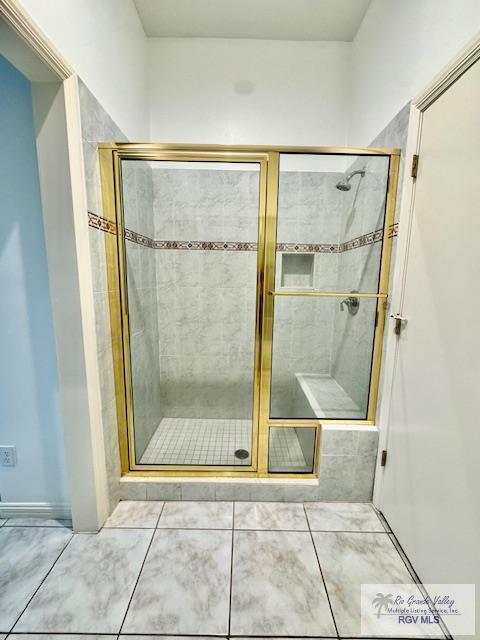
(29, 403)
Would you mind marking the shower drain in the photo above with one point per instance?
(241, 454)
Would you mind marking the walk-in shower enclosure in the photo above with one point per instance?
(248, 291)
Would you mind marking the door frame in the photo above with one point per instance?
(71, 286)
(111, 156)
(440, 83)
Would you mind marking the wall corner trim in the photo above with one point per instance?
(20, 21)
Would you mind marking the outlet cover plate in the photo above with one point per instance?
(8, 456)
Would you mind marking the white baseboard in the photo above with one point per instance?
(35, 510)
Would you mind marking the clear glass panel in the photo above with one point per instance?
(291, 449)
(331, 212)
(322, 356)
(191, 259)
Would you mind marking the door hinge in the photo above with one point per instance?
(384, 458)
(414, 166)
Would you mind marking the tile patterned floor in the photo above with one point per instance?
(196, 568)
(214, 442)
(190, 441)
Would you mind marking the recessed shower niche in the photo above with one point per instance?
(227, 275)
(297, 270)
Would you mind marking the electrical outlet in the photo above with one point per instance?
(8, 456)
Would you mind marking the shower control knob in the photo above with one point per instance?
(352, 303)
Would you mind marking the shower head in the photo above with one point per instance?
(344, 184)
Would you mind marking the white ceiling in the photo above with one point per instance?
(262, 19)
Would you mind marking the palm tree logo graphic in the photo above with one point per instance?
(382, 601)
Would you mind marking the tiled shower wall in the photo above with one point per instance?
(142, 301)
(97, 126)
(358, 269)
(206, 298)
(309, 212)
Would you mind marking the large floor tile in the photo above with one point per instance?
(135, 515)
(286, 516)
(39, 522)
(184, 585)
(142, 637)
(277, 589)
(26, 556)
(342, 516)
(49, 636)
(349, 560)
(196, 515)
(89, 588)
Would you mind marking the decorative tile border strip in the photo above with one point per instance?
(198, 245)
(145, 241)
(362, 241)
(292, 247)
(393, 230)
(102, 224)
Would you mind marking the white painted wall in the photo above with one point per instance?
(248, 91)
(104, 41)
(398, 49)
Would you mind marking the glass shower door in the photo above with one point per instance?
(191, 253)
(330, 226)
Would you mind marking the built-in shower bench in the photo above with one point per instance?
(320, 396)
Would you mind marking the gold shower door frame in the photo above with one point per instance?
(268, 159)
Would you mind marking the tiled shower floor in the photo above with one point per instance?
(222, 569)
(214, 442)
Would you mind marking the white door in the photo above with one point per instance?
(431, 484)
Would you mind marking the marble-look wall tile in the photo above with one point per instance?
(97, 126)
(346, 473)
(302, 343)
(142, 303)
(206, 315)
(394, 135)
(198, 491)
(353, 350)
(309, 207)
(347, 463)
(359, 269)
(163, 491)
